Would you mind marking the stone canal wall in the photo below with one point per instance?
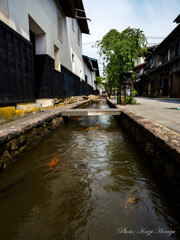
(18, 136)
(20, 110)
(159, 145)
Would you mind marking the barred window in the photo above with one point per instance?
(79, 41)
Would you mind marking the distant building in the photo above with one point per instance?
(161, 73)
(166, 73)
(143, 84)
(41, 49)
(91, 71)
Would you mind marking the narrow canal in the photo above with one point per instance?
(85, 181)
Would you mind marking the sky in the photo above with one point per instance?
(154, 17)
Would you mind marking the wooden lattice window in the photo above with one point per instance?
(79, 38)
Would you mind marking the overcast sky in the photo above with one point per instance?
(154, 17)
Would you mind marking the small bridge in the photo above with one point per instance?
(90, 112)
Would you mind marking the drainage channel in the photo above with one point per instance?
(85, 181)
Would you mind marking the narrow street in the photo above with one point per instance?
(163, 111)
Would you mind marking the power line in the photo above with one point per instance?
(156, 37)
(89, 43)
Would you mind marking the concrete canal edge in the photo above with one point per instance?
(159, 145)
(18, 136)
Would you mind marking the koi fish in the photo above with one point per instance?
(91, 128)
(53, 161)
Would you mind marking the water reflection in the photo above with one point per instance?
(88, 184)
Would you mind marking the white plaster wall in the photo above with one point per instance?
(91, 76)
(94, 79)
(75, 48)
(88, 73)
(44, 13)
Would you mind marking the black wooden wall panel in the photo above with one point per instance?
(73, 86)
(49, 82)
(69, 83)
(16, 67)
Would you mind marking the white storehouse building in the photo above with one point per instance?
(91, 71)
(41, 49)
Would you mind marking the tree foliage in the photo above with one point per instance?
(99, 81)
(120, 51)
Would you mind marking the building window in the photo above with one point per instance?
(169, 54)
(178, 49)
(162, 81)
(86, 78)
(165, 56)
(73, 24)
(154, 61)
(79, 41)
(56, 58)
(73, 63)
(60, 27)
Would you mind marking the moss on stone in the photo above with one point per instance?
(7, 114)
(21, 139)
(16, 153)
(22, 149)
(6, 156)
(14, 144)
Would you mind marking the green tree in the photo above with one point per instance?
(99, 81)
(119, 52)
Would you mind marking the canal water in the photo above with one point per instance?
(86, 181)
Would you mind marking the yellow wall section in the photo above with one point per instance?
(7, 114)
(22, 109)
(27, 111)
(10, 113)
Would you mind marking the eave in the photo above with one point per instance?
(95, 66)
(92, 63)
(171, 38)
(81, 16)
(75, 9)
(68, 8)
(177, 20)
(165, 65)
(139, 66)
(88, 63)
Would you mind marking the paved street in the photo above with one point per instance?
(163, 111)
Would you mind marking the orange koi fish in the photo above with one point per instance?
(53, 161)
(91, 128)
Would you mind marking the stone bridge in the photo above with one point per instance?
(90, 112)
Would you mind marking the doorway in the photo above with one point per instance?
(38, 39)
